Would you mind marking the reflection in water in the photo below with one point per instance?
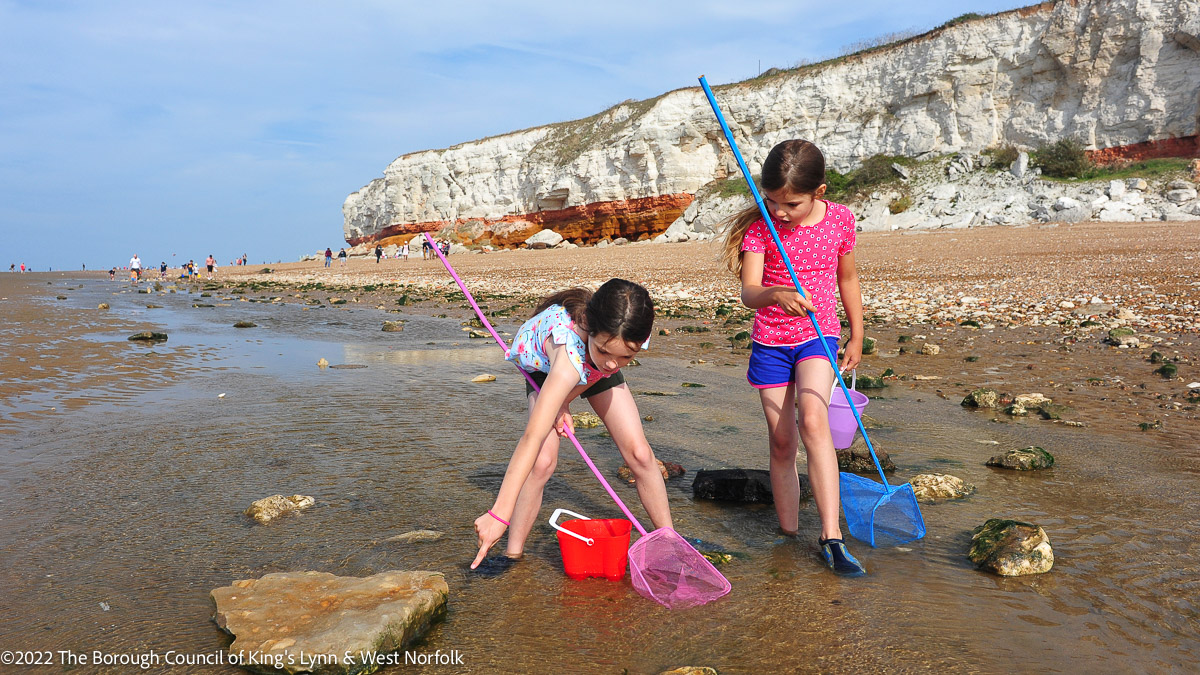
(140, 508)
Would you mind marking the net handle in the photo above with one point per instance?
(503, 345)
(762, 208)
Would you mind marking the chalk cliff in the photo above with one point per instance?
(1109, 73)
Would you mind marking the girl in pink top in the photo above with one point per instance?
(788, 365)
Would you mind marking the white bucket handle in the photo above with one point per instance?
(555, 525)
(853, 383)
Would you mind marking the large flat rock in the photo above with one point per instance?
(311, 621)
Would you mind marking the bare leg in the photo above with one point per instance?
(529, 501)
(814, 377)
(779, 406)
(620, 414)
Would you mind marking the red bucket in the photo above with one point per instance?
(593, 548)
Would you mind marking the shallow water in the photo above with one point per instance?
(130, 493)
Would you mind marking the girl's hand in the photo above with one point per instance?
(488, 530)
(564, 423)
(852, 354)
(790, 300)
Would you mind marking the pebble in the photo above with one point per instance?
(486, 377)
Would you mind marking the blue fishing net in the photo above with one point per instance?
(878, 514)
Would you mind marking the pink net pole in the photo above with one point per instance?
(503, 345)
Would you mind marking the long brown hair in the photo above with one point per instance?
(797, 165)
(619, 308)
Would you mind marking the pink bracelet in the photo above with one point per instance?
(497, 517)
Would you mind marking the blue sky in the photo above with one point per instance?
(178, 129)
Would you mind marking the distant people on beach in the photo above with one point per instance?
(22, 268)
(135, 269)
(445, 244)
(210, 263)
(112, 274)
(426, 249)
(342, 257)
(162, 270)
(378, 253)
(403, 252)
(328, 257)
(12, 267)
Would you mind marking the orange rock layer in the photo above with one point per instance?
(1187, 146)
(632, 219)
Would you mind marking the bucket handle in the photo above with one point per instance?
(554, 523)
(853, 383)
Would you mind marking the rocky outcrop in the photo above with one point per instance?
(1109, 73)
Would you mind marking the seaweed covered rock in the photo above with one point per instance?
(1025, 459)
(934, 487)
(1011, 548)
(982, 398)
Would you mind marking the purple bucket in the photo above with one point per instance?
(842, 424)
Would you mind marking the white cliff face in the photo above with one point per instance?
(1105, 72)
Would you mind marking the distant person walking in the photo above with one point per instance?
(22, 268)
(12, 267)
(403, 251)
(426, 249)
(378, 253)
(342, 256)
(135, 269)
(162, 270)
(210, 263)
(328, 257)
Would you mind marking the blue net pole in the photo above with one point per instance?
(762, 208)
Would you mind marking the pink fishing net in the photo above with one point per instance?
(664, 567)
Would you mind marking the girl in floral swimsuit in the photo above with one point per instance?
(574, 346)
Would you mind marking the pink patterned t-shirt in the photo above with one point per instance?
(814, 252)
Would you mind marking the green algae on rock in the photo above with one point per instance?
(1011, 548)
(1025, 459)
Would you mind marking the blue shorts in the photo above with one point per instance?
(776, 366)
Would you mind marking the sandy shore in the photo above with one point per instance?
(1027, 288)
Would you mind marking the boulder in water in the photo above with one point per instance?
(1011, 548)
(749, 486)
(982, 398)
(1025, 459)
(857, 458)
(934, 487)
(317, 622)
(269, 508)
(148, 336)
